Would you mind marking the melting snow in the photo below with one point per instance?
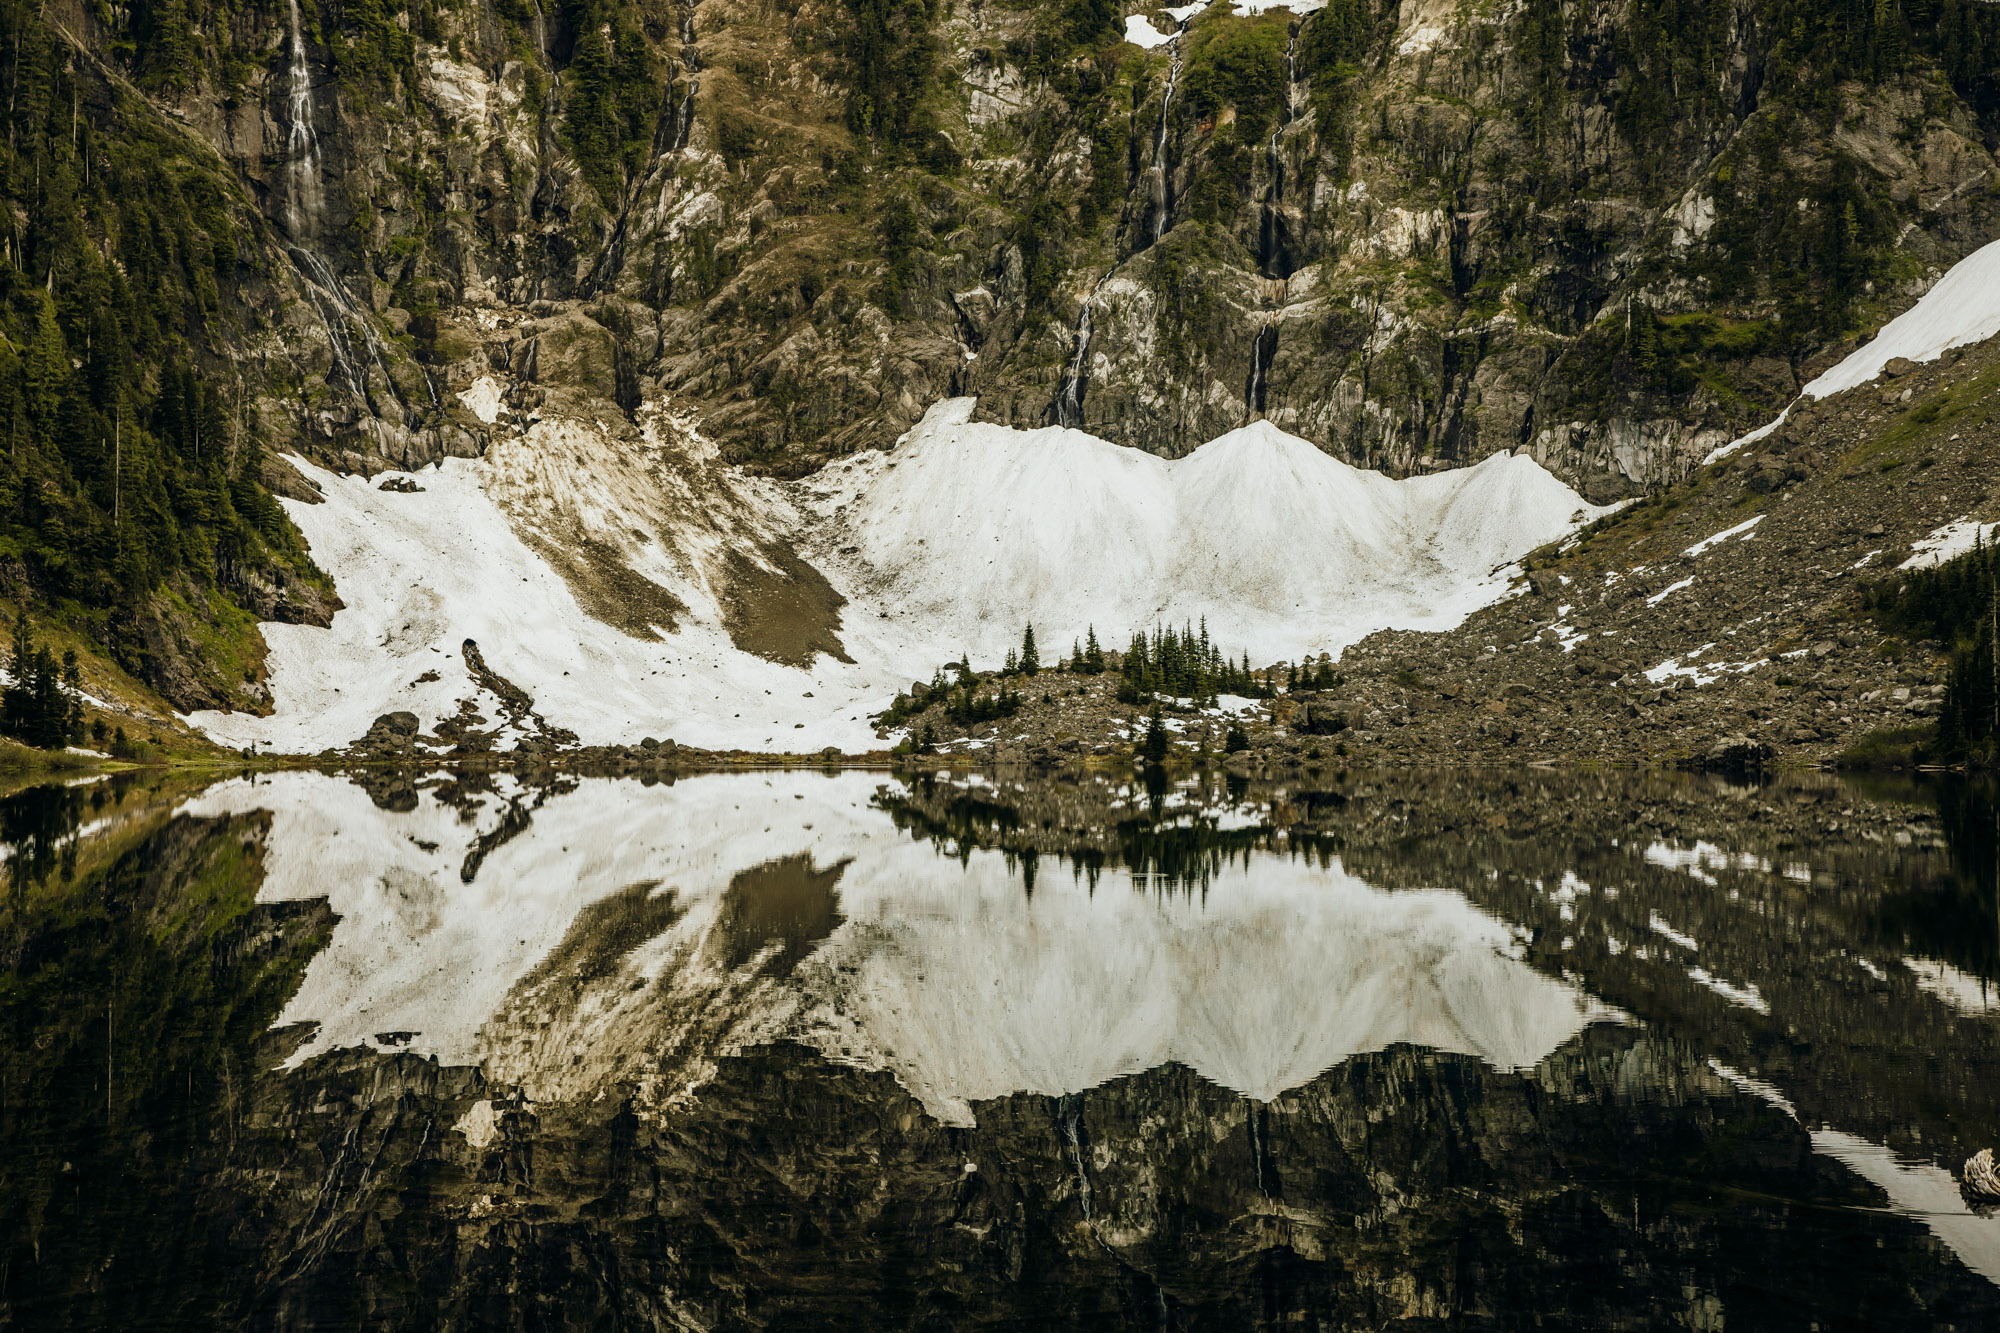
(1139, 31)
(946, 546)
(1745, 995)
(1963, 991)
(1962, 308)
(1660, 927)
(1948, 542)
(1740, 530)
(1669, 591)
(1916, 1190)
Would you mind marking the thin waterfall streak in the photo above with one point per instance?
(1069, 394)
(1162, 189)
(334, 304)
(1070, 1114)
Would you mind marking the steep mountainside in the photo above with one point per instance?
(1413, 235)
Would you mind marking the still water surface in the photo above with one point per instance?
(814, 1050)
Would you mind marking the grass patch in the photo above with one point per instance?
(1890, 748)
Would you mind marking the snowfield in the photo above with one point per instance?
(1961, 309)
(948, 975)
(606, 571)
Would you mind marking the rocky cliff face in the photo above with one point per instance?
(1416, 234)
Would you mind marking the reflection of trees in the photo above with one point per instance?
(39, 826)
(1950, 914)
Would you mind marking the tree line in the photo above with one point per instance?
(1957, 604)
(127, 465)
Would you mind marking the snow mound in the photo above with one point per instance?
(1139, 31)
(972, 529)
(948, 975)
(1961, 309)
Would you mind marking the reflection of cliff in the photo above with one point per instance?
(1829, 935)
(135, 1000)
(1636, 1175)
(1622, 1183)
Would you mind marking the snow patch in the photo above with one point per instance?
(1968, 994)
(1917, 1190)
(1745, 995)
(1740, 530)
(1669, 591)
(968, 529)
(482, 398)
(1949, 542)
(1139, 31)
(946, 546)
(1660, 927)
(479, 1124)
(1961, 309)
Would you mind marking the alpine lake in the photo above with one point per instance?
(840, 1049)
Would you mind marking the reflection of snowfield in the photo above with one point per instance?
(1916, 1190)
(951, 977)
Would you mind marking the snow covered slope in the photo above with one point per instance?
(625, 579)
(948, 975)
(968, 530)
(1962, 309)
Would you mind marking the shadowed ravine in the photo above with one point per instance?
(846, 1050)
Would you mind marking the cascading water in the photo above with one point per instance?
(1273, 260)
(1069, 397)
(304, 204)
(1271, 257)
(302, 201)
(1069, 1112)
(1261, 351)
(1258, 1121)
(1162, 189)
(1067, 410)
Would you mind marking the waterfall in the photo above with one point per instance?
(1262, 350)
(1162, 190)
(1258, 1149)
(1069, 398)
(1067, 410)
(1271, 259)
(1069, 1111)
(302, 201)
(332, 302)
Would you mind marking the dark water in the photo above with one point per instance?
(839, 1050)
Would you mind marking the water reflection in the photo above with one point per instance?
(841, 1050)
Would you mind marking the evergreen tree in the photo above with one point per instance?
(1156, 738)
(39, 706)
(1031, 660)
(1093, 654)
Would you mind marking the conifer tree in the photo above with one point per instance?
(1156, 738)
(1031, 661)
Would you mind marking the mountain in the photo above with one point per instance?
(639, 269)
